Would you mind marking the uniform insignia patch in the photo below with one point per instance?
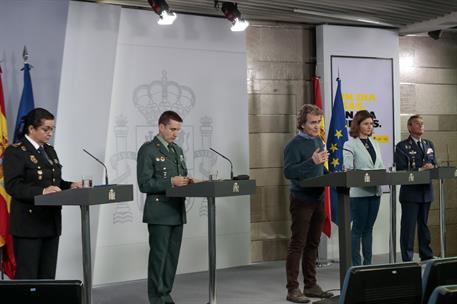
(33, 159)
(162, 158)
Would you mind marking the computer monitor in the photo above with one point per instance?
(438, 272)
(41, 291)
(387, 283)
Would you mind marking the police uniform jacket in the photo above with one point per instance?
(156, 165)
(26, 174)
(409, 155)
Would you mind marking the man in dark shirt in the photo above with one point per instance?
(304, 157)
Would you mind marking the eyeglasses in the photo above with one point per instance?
(46, 129)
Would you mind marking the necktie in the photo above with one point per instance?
(171, 148)
(43, 153)
(421, 145)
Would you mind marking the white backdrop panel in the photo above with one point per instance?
(82, 116)
(196, 67)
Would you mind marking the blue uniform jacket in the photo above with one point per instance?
(408, 155)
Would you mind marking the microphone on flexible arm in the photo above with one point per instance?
(231, 165)
(102, 163)
(353, 157)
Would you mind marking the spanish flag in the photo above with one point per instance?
(6, 240)
(327, 230)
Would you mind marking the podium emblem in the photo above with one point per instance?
(367, 178)
(411, 177)
(111, 195)
(236, 187)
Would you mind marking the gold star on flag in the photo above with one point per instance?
(339, 133)
(335, 162)
(333, 148)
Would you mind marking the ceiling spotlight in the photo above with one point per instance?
(166, 16)
(232, 13)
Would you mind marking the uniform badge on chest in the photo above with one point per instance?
(33, 159)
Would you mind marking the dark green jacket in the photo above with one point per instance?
(155, 168)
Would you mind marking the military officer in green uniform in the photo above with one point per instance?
(161, 165)
(31, 167)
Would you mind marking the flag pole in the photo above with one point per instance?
(25, 55)
(27, 102)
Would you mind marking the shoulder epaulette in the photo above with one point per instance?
(19, 145)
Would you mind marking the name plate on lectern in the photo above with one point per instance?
(353, 178)
(443, 172)
(216, 188)
(410, 177)
(104, 194)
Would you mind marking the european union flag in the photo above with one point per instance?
(337, 136)
(27, 103)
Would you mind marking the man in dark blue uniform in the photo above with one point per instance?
(415, 153)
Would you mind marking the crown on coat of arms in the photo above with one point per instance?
(163, 95)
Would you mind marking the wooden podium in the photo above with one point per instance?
(85, 197)
(343, 181)
(211, 190)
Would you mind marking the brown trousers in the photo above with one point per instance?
(307, 223)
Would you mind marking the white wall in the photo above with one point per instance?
(83, 113)
(363, 42)
(120, 71)
(91, 63)
(196, 67)
(40, 25)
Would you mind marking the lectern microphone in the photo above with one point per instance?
(353, 157)
(102, 163)
(223, 156)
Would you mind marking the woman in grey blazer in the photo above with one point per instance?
(363, 153)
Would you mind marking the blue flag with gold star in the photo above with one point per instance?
(337, 136)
